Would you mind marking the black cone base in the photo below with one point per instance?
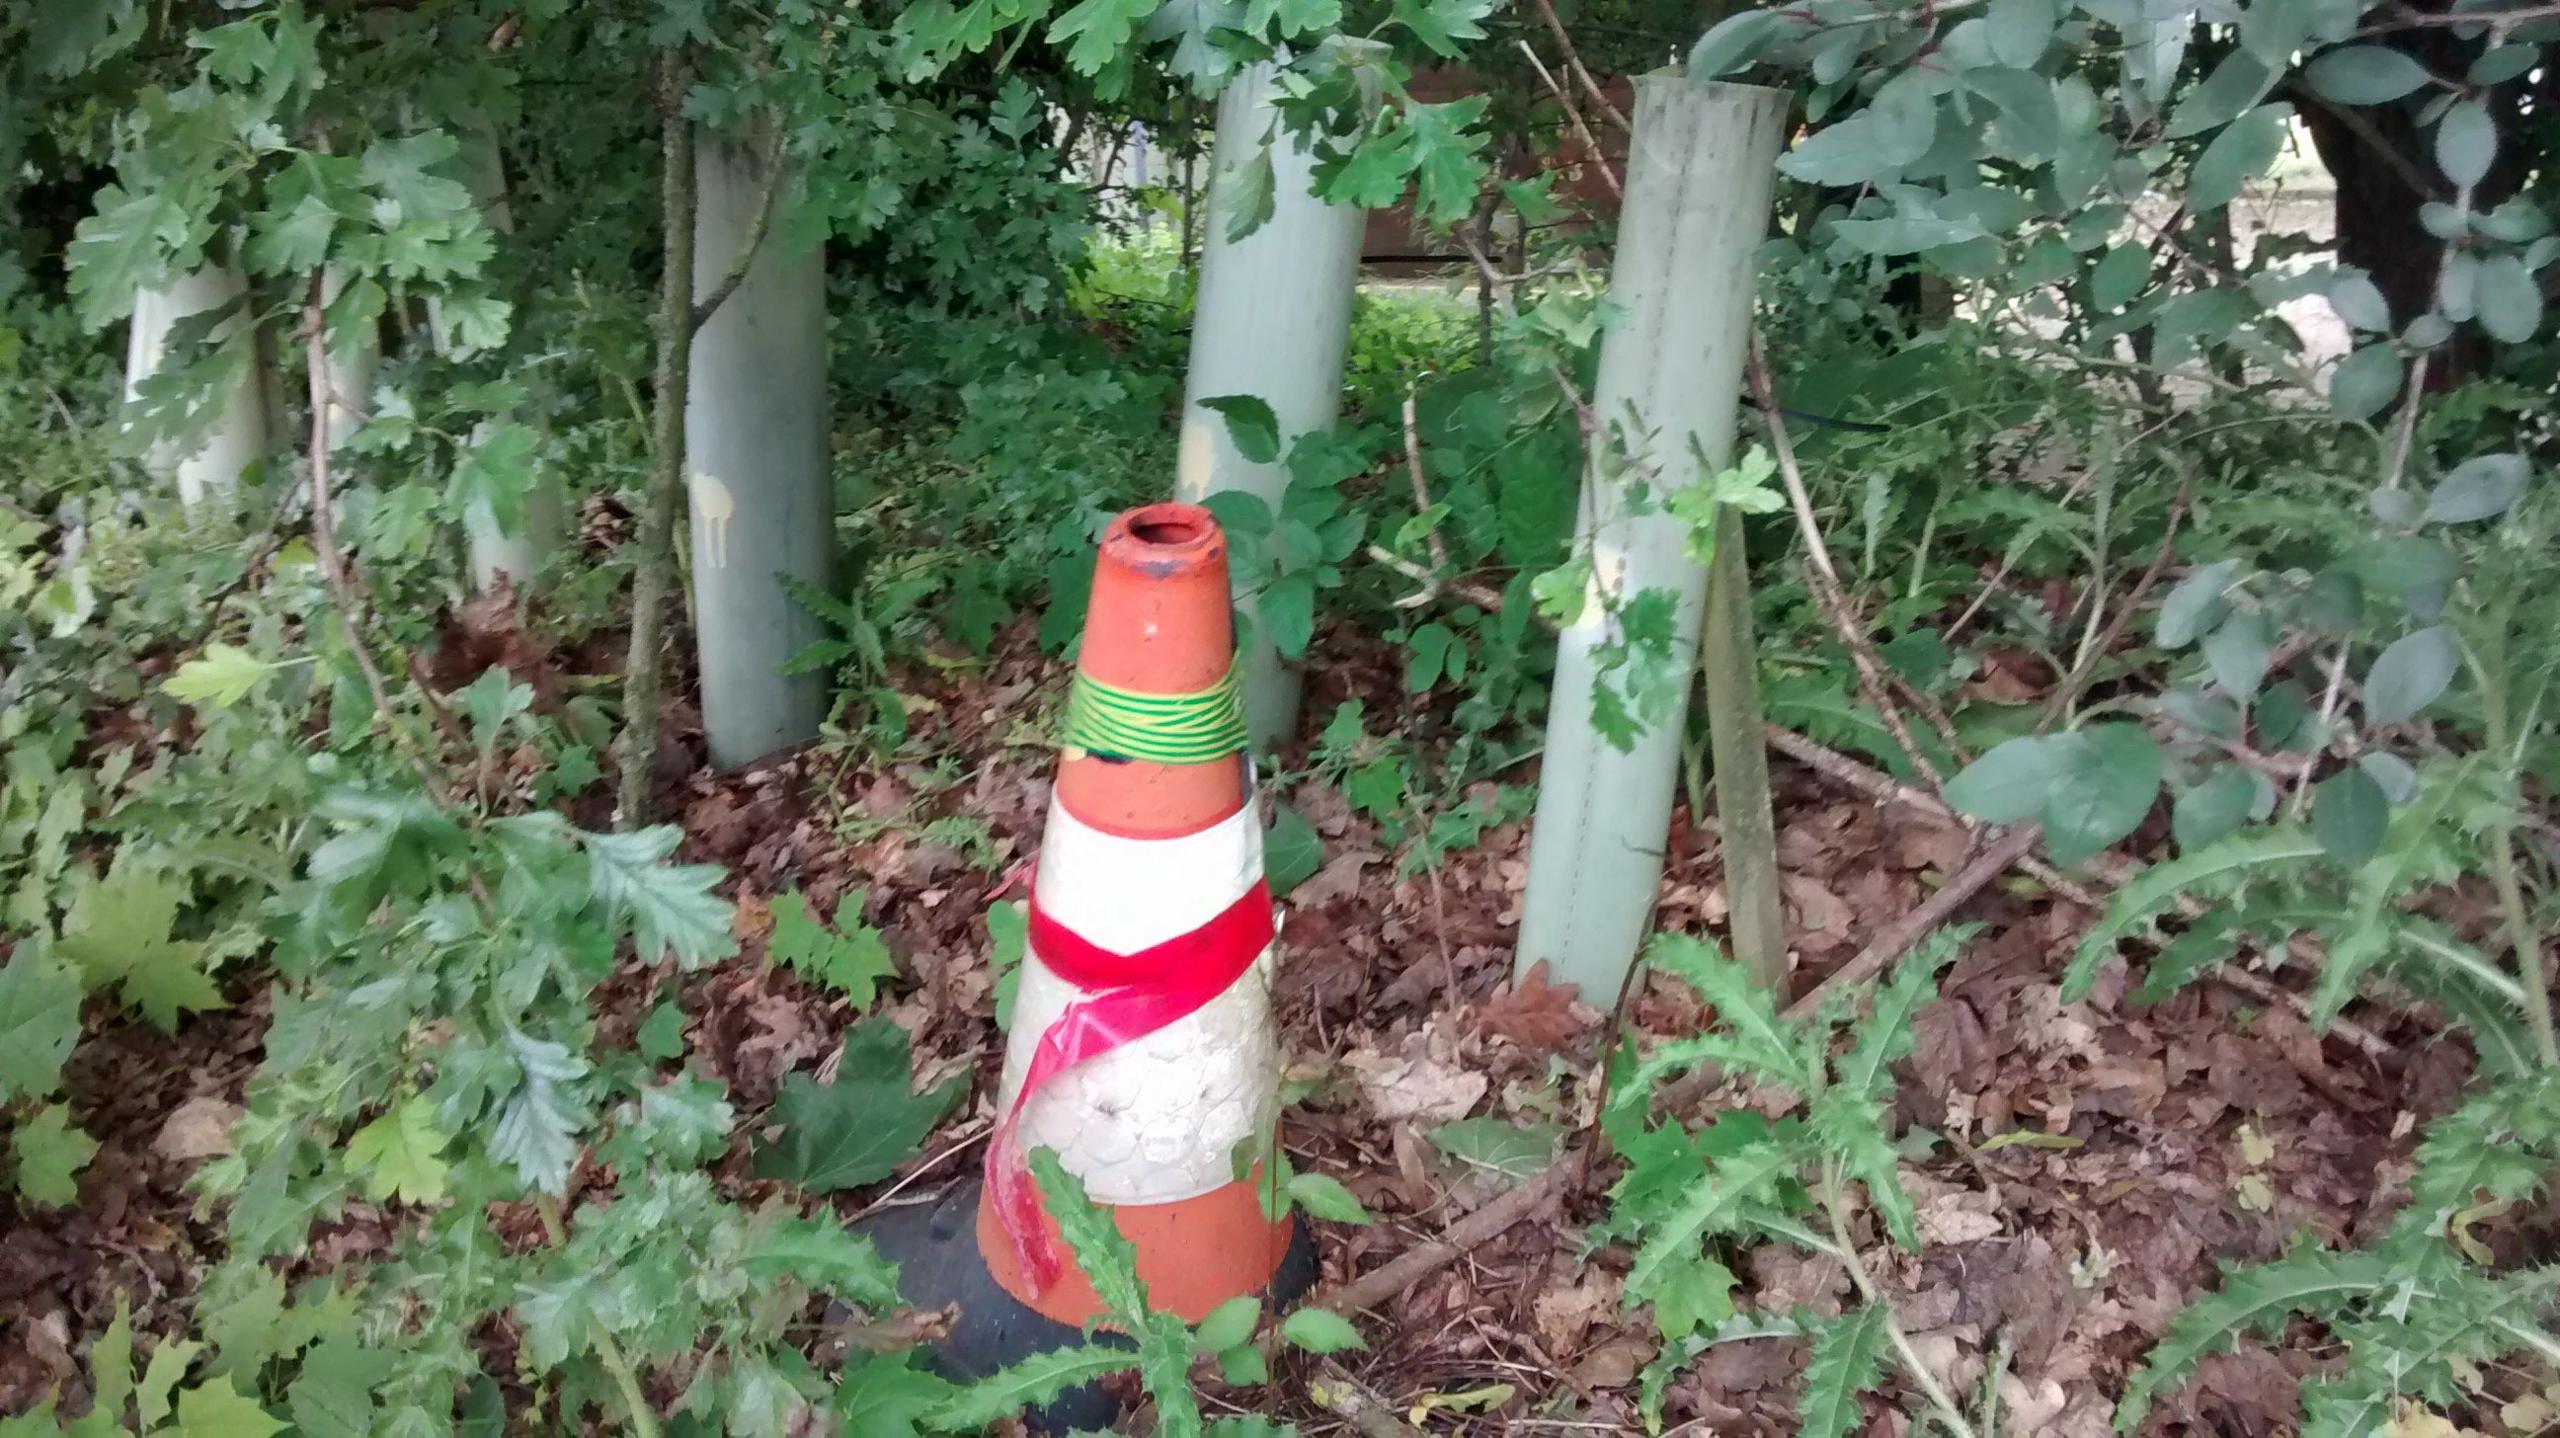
(936, 1249)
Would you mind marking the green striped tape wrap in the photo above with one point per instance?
(1114, 723)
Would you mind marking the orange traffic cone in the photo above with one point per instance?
(1142, 1050)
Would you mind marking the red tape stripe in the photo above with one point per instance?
(1131, 996)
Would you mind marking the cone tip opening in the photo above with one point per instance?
(1163, 538)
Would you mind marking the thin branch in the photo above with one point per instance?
(2065, 693)
(1468, 1234)
(1573, 117)
(766, 201)
(653, 546)
(1573, 62)
(1824, 579)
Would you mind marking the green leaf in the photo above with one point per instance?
(2241, 153)
(1251, 426)
(2507, 299)
(661, 1035)
(2411, 674)
(489, 702)
(1292, 851)
(2020, 30)
(852, 962)
(671, 906)
(1751, 1031)
(2364, 75)
(1286, 610)
(822, 1254)
(2119, 275)
(1248, 195)
(2213, 808)
(219, 1410)
(2215, 868)
(1229, 1324)
(399, 1154)
(2466, 142)
(2105, 786)
(1443, 144)
(2251, 1300)
(1515, 1150)
(2349, 814)
(2195, 604)
(2237, 652)
(1325, 1198)
(2235, 84)
(862, 1125)
(1096, 31)
(1732, 43)
(222, 676)
(1847, 1359)
(2482, 487)
(118, 932)
(495, 473)
(333, 1395)
(2365, 381)
(884, 1395)
(1036, 1380)
(682, 1123)
(39, 1020)
(50, 1154)
(1320, 1330)
(1442, 24)
(1713, 1203)
(2009, 783)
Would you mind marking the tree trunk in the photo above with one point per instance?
(1699, 176)
(1273, 320)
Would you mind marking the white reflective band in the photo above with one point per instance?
(1158, 1120)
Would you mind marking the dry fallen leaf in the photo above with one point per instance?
(198, 1128)
(1422, 1089)
(1565, 1314)
(1538, 1016)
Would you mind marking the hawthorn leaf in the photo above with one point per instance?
(671, 907)
(220, 677)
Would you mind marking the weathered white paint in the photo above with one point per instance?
(1701, 166)
(1272, 319)
(236, 434)
(1160, 1119)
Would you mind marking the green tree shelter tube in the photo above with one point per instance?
(498, 554)
(1700, 169)
(1272, 320)
(233, 431)
(756, 476)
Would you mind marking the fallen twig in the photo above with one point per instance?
(1988, 865)
(1460, 1238)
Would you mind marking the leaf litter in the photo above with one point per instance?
(2080, 1170)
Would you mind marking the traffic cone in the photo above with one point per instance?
(1142, 1049)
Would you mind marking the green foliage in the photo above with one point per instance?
(1742, 1177)
(860, 1125)
(850, 961)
